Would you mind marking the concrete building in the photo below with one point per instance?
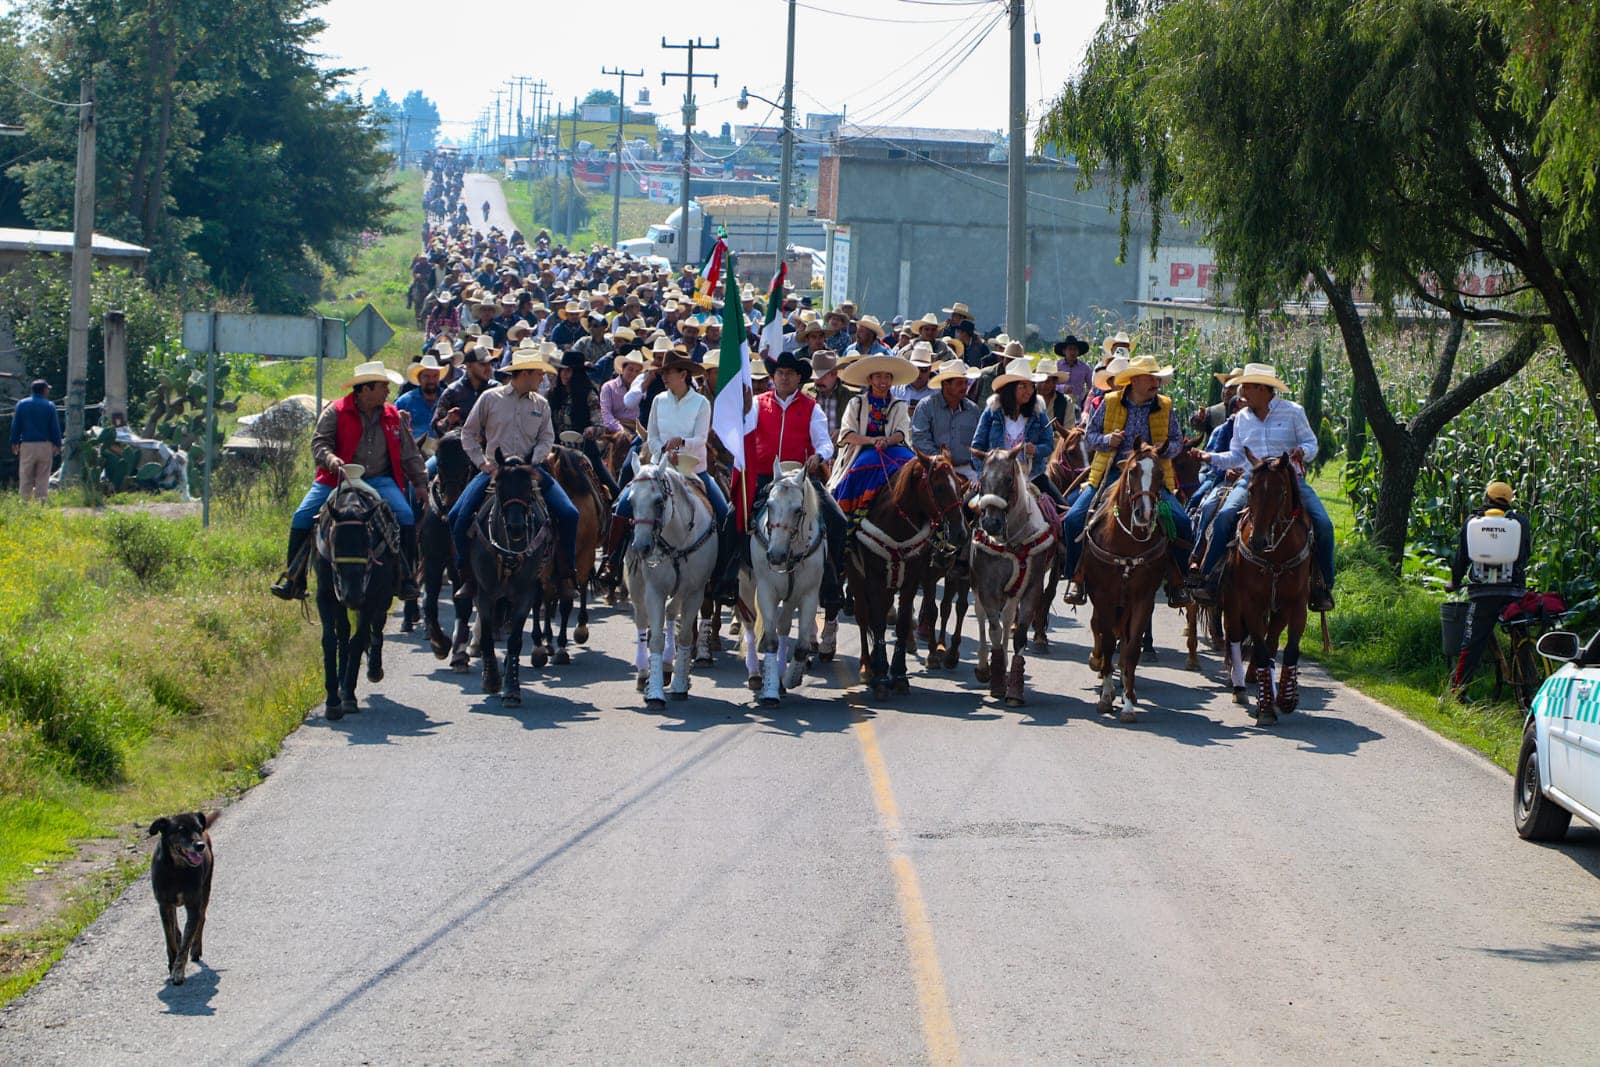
(921, 234)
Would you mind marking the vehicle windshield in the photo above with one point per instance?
(1590, 656)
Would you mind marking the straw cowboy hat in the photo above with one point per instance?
(1019, 369)
(532, 357)
(758, 370)
(1105, 375)
(930, 319)
(518, 330)
(998, 342)
(622, 333)
(1119, 338)
(860, 371)
(920, 354)
(952, 369)
(632, 357)
(1137, 368)
(872, 324)
(1258, 374)
(955, 345)
(427, 362)
(1226, 377)
(958, 308)
(374, 371)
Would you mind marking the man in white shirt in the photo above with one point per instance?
(1266, 427)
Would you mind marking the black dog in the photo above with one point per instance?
(180, 873)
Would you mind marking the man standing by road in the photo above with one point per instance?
(1490, 586)
(35, 440)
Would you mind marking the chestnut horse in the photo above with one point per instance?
(570, 468)
(1267, 584)
(890, 557)
(1124, 562)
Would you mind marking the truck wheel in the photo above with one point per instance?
(1537, 817)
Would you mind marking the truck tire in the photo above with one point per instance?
(1535, 815)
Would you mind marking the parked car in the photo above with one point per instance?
(1558, 770)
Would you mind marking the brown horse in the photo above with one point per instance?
(1267, 585)
(950, 563)
(1069, 460)
(890, 557)
(1124, 563)
(570, 468)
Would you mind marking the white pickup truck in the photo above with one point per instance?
(1558, 771)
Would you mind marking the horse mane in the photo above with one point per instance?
(574, 469)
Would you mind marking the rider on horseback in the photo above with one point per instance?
(1134, 412)
(1268, 426)
(514, 420)
(361, 427)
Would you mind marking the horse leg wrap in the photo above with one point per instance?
(654, 688)
(769, 678)
(1014, 680)
(641, 654)
(1236, 665)
(997, 673)
(680, 671)
(1264, 709)
(829, 642)
(1289, 688)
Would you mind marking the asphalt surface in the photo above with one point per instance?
(475, 189)
(440, 879)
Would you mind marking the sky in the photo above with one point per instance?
(886, 62)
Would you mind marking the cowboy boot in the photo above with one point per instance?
(725, 589)
(408, 564)
(1321, 595)
(616, 538)
(291, 584)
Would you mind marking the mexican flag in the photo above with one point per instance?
(772, 325)
(733, 409)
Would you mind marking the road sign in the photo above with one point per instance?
(368, 332)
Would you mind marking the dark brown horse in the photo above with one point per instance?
(571, 469)
(454, 471)
(1125, 560)
(890, 558)
(1069, 460)
(1267, 585)
(950, 563)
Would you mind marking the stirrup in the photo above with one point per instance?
(1075, 593)
(286, 588)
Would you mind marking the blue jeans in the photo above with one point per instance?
(433, 467)
(305, 516)
(1078, 517)
(719, 503)
(562, 513)
(1228, 522)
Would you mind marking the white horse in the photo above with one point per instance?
(668, 565)
(1013, 547)
(787, 556)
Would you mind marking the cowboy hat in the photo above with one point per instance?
(958, 308)
(824, 362)
(374, 371)
(630, 356)
(1255, 374)
(491, 306)
(954, 368)
(518, 330)
(1103, 377)
(678, 359)
(789, 361)
(872, 324)
(758, 370)
(930, 319)
(1081, 345)
(572, 307)
(531, 357)
(1139, 367)
(920, 354)
(1119, 338)
(998, 342)
(1019, 369)
(622, 333)
(809, 327)
(572, 359)
(958, 347)
(1226, 377)
(860, 371)
(427, 362)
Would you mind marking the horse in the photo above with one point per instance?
(438, 554)
(787, 557)
(890, 556)
(358, 571)
(668, 565)
(1123, 567)
(570, 468)
(1069, 460)
(952, 564)
(1268, 584)
(507, 550)
(417, 296)
(1013, 552)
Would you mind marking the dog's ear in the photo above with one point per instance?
(160, 826)
(208, 819)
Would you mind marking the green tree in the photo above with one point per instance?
(601, 98)
(1311, 395)
(421, 117)
(1358, 145)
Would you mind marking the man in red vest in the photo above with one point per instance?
(360, 427)
(790, 428)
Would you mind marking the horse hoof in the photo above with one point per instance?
(489, 683)
(880, 692)
(678, 696)
(951, 659)
(1266, 719)
(441, 649)
(1094, 663)
(512, 697)
(981, 672)
(640, 680)
(562, 658)
(768, 702)
(1103, 706)
(374, 674)
(1192, 663)
(1127, 715)
(461, 665)
(348, 706)
(333, 711)
(901, 685)
(754, 682)
(581, 635)
(655, 705)
(1238, 696)
(406, 626)
(704, 661)
(1015, 702)
(1041, 644)
(539, 657)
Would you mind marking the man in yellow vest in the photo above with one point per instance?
(1134, 413)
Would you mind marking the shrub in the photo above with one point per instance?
(153, 549)
(78, 716)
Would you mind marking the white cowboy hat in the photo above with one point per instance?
(530, 357)
(1260, 374)
(954, 368)
(1145, 365)
(958, 308)
(427, 362)
(920, 354)
(1226, 377)
(1103, 376)
(860, 371)
(930, 319)
(1020, 369)
(632, 356)
(374, 371)
(872, 324)
(1119, 338)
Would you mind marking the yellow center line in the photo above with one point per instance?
(938, 1027)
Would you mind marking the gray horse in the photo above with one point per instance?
(787, 556)
(668, 566)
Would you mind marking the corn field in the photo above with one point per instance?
(1537, 432)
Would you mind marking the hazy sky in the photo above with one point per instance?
(890, 62)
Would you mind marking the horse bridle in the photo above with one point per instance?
(1150, 493)
(658, 543)
(790, 559)
(510, 558)
(377, 540)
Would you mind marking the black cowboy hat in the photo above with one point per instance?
(1081, 345)
(790, 361)
(572, 360)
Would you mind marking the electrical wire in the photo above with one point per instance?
(920, 56)
(41, 96)
(933, 75)
(874, 18)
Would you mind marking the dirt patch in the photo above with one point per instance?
(166, 509)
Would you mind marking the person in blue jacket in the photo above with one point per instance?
(1015, 415)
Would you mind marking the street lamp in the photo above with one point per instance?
(785, 169)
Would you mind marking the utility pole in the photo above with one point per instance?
(786, 166)
(537, 91)
(616, 190)
(405, 133)
(572, 182)
(685, 256)
(1017, 184)
(82, 266)
(555, 180)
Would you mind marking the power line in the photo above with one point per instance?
(877, 18)
(41, 96)
(931, 81)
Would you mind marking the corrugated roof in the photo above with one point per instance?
(918, 133)
(60, 241)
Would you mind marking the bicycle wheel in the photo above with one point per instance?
(1526, 675)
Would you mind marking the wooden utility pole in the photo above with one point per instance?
(687, 257)
(82, 267)
(616, 189)
(572, 182)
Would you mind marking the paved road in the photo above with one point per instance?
(443, 880)
(475, 189)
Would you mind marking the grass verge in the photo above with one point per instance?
(635, 216)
